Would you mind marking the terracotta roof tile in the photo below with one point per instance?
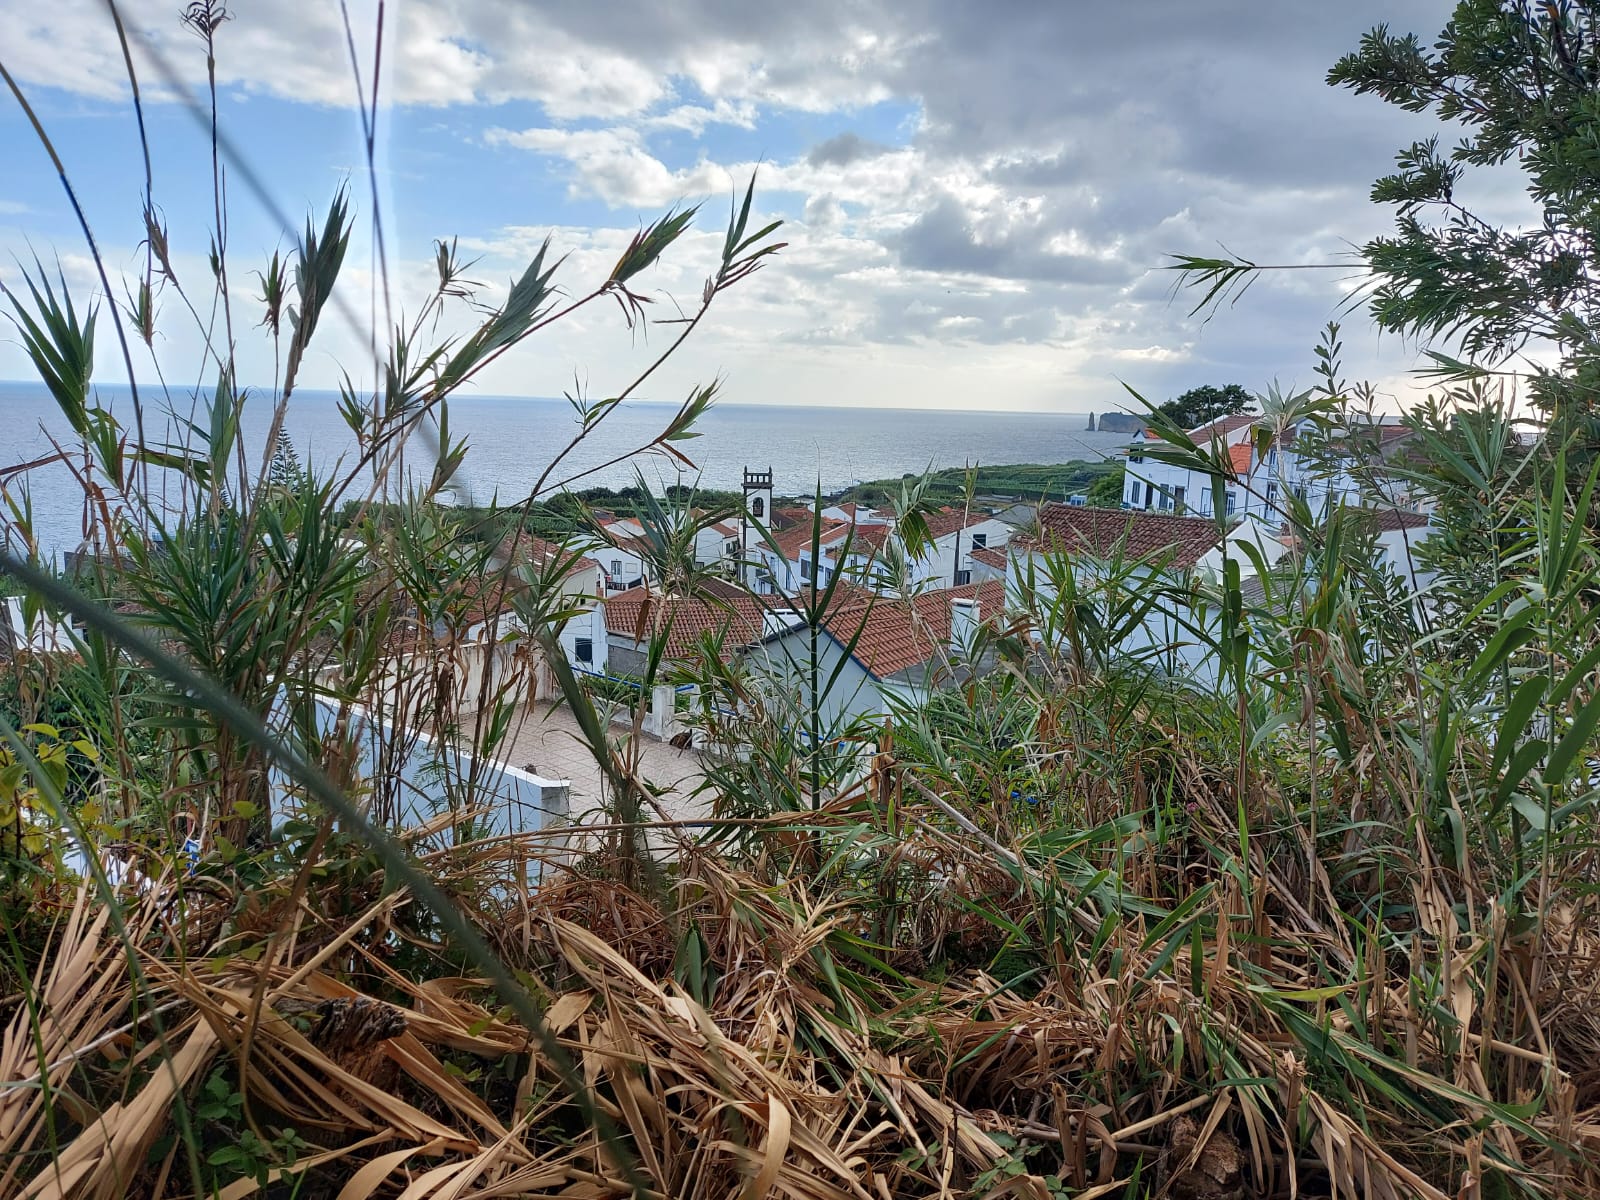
(1377, 438)
(796, 538)
(1101, 531)
(1221, 427)
(1388, 520)
(990, 556)
(895, 635)
(1240, 456)
(530, 549)
(872, 537)
(947, 522)
(640, 613)
(782, 518)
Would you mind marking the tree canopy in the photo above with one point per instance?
(1206, 403)
(1523, 83)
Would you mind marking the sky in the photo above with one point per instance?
(978, 199)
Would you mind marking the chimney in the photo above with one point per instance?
(963, 622)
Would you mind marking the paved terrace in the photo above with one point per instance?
(545, 740)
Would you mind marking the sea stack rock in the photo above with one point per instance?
(1115, 422)
(1091, 422)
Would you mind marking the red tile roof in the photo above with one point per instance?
(1101, 531)
(797, 538)
(950, 520)
(535, 550)
(639, 614)
(1221, 427)
(1365, 439)
(871, 537)
(782, 518)
(895, 634)
(1239, 457)
(1388, 520)
(483, 598)
(990, 556)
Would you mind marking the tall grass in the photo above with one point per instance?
(1317, 920)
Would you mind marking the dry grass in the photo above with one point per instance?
(748, 1042)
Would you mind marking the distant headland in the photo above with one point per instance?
(1116, 422)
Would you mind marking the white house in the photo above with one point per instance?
(1152, 548)
(717, 543)
(581, 585)
(1151, 486)
(1396, 535)
(621, 554)
(863, 552)
(43, 634)
(1262, 477)
(884, 649)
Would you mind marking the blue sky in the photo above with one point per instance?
(977, 198)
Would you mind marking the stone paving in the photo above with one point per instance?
(545, 740)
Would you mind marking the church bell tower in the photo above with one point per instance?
(757, 515)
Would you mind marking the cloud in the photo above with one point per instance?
(1011, 239)
(1056, 155)
(842, 149)
(610, 163)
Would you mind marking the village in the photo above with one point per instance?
(833, 602)
(898, 606)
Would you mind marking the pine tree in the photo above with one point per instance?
(286, 471)
(1521, 82)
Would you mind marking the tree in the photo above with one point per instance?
(1106, 491)
(1206, 403)
(286, 471)
(1521, 82)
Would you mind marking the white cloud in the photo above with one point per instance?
(1057, 153)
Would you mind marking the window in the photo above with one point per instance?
(1300, 491)
(1272, 494)
(1177, 499)
(1166, 500)
(758, 507)
(583, 649)
(980, 541)
(616, 568)
(1149, 494)
(1272, 459)
(963, 577)
(1233, 501)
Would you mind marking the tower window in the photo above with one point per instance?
(758, 507)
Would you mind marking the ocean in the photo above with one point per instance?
(512, 439)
